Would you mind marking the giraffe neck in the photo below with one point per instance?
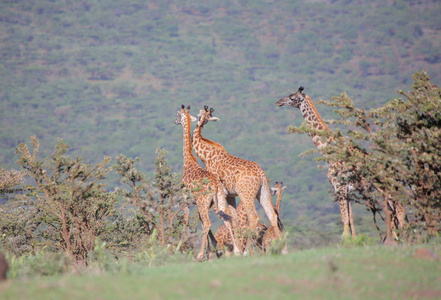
(312, 117)
(209, 152)
(189, 157)
(279, 198)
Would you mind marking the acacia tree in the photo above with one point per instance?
(163, 205)
(392, 155)
(67, 206)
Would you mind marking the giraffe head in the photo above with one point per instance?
(181, 115)
(278, 187)
(206, 115)
(293, 100)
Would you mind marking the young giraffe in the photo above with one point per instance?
(312, 117)
(222, 236)
(223, 239)
(269, 234)
(239, 176)
(265, 235)
(206, 188)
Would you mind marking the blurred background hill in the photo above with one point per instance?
(108, 77)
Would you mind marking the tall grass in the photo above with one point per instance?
(326, 273)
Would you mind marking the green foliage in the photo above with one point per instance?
(162, 206)
(392, 154)
(101, 260)
(155, 254)
(65, 209)
(10, 179)
(67, 216)
(40, 263)
(103, 75)
(279, 245)
(358, 241)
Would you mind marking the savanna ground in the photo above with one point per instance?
(400, 272)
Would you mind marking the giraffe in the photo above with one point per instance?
(269, 234)
(239, 176)
(206, 188)
(313, 119)
(222, 236)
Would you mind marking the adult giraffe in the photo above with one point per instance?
(206, 188)
(314, 121)
(239, 176)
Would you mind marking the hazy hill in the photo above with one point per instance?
(109, 76)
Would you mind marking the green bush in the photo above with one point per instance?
(41, 263)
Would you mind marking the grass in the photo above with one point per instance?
(327, 273)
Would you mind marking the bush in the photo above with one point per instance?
(41, 263)
(65, 210)
(358, 241)
(162, 206)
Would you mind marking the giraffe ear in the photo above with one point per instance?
(193, 119)
(213, 119)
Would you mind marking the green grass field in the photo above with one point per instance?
(328, 273)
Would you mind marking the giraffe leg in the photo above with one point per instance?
(345, 209)
(222, 205)
(343, 203)
(206, 225)
(252, 221)
(398, 217)
(351, 219)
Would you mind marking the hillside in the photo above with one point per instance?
(108, 76)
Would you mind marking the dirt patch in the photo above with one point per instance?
(426, 254)
(426, 294)
(285, 281)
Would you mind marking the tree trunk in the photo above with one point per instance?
(162, 227)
